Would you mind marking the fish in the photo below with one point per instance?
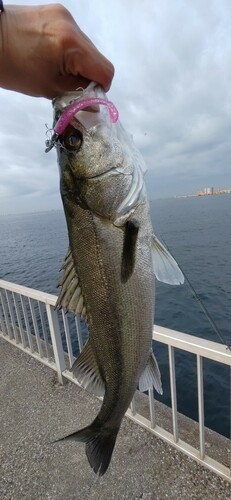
(108, 273)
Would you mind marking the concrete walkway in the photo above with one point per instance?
(35, 410)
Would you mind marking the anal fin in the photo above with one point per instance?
(151, 376)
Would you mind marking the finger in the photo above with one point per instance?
(101, 72)
(89, 62)
(93, 66)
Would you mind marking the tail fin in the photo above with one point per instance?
(100, 443)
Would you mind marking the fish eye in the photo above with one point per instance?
(72, 139)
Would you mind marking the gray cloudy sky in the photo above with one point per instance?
(172, 88)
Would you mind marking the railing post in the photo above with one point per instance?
(201, 405)
(6, 316)
(35, 324)
(173, 392)
(68, 338)
(27, 323)
(133, 406)
(22, 334)
(152, 408)
(79, 333)
(41, 310)
(56, 341)
(11, 311)
(2, 324)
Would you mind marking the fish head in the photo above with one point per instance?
(99, 164)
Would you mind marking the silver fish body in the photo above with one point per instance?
(108, 275)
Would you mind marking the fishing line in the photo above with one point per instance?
(201, 304)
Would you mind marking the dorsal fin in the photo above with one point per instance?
(70, 297)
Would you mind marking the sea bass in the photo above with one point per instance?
(108, 273)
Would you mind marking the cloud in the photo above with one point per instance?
(27, 174)
(172, 88)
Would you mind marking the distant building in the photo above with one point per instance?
(208, 190)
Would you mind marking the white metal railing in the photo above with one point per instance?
(29, 320)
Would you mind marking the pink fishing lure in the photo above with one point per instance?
(76, 106)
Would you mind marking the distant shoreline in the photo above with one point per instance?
(198, 195)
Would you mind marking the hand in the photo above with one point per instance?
(44, 53)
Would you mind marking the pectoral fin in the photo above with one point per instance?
(165, 267)
(129, 249)
(86, 370)
(70, 297)
(151, 376)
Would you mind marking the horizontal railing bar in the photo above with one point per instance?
(190, 343)
(186, 342)
(47, 298)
